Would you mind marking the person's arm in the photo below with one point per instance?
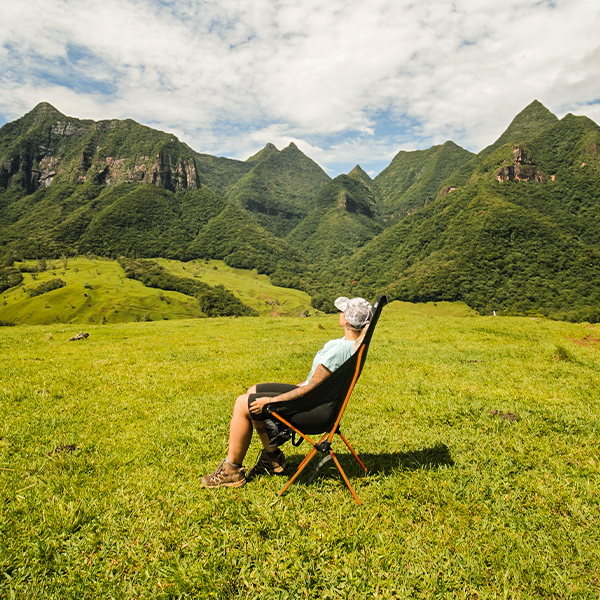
(321, 373)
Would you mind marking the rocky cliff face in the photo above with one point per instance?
(165, 171)
(45, 146)
(522, 169)
(29, 172)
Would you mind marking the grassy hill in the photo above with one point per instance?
(97, 291)
(480, 436)
(252, 288)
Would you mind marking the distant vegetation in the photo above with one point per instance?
(413, 179)
(514, 229)
(47, 286)
(9, 277)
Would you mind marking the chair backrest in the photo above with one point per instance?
(317, 411)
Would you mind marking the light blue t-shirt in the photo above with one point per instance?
(333, 355)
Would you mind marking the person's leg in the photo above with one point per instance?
(240, 431)
(267, 389)
(263, 436)
(230, 472)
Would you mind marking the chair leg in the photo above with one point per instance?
(299, 470)
(337, 462)
(329, 456)
(352, 450)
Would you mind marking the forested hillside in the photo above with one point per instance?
(118, 188)
(413, 178)
(342, 220)
(279, 187)
(513, 229)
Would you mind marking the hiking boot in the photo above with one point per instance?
(273, 463)
(226, 475)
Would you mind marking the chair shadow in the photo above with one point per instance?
(384, 463)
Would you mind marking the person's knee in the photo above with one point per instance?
(241, 405)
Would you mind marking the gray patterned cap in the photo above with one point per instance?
(358, 311)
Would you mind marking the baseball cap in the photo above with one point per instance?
(357, 311)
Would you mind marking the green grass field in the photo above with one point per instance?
(481, 436)
(97, 291)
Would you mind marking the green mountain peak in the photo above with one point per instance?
(263, 154)
(278, 188)
(291, 148)
(359, 173)
(412, 179)
(530, 122)
(346, 193)
(45, 108)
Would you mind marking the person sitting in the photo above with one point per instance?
(248, 413)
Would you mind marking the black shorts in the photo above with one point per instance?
(271, 390)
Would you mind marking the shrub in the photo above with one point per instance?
(46, 287)
(323, 303)
(214, 301)
(220, 302)
(563, 354)
(9, 277)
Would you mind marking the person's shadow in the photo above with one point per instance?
(433, 457)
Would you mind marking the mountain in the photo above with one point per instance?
(342, 220)
(46, 146)
(514, 229)
(219, 173)
(278, 188)
(360, 175)
(413, 178)
(532, 121)
(70, 186)
(517, 234)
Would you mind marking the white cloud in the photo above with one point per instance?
(223, 74)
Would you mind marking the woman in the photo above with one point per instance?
(248, 409)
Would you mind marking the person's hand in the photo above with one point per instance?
(257, 406)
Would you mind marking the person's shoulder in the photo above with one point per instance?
(335, 343)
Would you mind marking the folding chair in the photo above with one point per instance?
(321, 409)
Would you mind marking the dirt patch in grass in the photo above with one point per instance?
(588, 340)
(509, 416)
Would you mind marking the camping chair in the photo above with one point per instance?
(320, 410)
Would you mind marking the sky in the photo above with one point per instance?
(348, 81)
